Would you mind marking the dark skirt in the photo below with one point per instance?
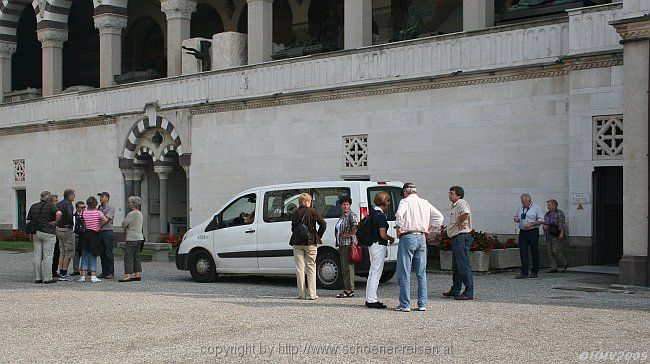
(90, 241)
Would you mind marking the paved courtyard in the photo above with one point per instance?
(168, 317)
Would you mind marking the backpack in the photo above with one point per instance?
(364, 230)
(80, 225)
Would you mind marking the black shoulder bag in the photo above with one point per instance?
(302, 231)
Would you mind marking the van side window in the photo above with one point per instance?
(240, 212)
(279, 205)
(326, 200)
(395, 198)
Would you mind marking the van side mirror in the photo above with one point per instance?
(213, 225)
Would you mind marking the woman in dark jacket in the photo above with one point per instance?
(304, 239)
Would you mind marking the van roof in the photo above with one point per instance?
(328, 184)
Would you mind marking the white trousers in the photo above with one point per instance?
(377, 255)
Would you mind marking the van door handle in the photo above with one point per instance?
(250, 231)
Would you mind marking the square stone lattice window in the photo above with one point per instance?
(19, 170)
(608, 137)
(355, 152)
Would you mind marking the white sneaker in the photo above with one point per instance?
(422, 308)
(82, 279)
(403, 309)
(95, 279)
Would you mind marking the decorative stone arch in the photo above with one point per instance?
(10, 11)
(139, 130)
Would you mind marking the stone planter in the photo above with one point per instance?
(480, 261)
(505, 258)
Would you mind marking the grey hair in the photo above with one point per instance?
(527, 196)
(46, 196)
(411, 190)
(137, 201)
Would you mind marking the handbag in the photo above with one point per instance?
(80, 225)
(356, 253)
(32, 227)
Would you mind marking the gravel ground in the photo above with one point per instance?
(168, 317)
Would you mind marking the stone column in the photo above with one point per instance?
(357, 19)
(137, 181)
(132, 177)
(260, 31)
(163, 174)
(179, 13)
(187, 190)
(7, 49)
(52, 45)
(110, 46)
(478, 14)
(634, 267)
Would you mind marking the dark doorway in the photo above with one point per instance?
(144, 48)
(81, 50)
(205, 22)
(21, 209)
(607, 215)
(26, 62)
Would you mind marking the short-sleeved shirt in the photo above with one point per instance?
(43, 213)
(109, 212)
(460, 207)
(379, 221)
(533, 213)
(92, 219)
(67, 214)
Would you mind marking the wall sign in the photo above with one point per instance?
(580, 198)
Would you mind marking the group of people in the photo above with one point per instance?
(415, 219)
(81, 233)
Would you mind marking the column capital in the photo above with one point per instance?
(133, 174)
(7, 49)
(258, 1)
(50, 37)
(174, 9)
(163, 171)
(110, 23)
(633, 29)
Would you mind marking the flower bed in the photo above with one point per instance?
(486, 252)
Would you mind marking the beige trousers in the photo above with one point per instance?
(305, 257)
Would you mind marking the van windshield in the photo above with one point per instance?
(395, 197)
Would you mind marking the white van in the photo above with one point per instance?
(250, 234)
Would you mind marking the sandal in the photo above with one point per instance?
(345, 294)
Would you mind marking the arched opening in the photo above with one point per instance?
(282, 23)
(205, 22)
(81, 50)
(144, 50)
(26, 63)
(242, 24)
(326, 23)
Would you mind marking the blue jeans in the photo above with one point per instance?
(529, 238)
(412, 251)
(108, 261)
(88, 261)
(462, 264)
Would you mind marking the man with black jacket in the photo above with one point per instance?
(45, 216)
(64, 232)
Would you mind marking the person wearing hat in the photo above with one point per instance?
(415, 219)
(106, 237)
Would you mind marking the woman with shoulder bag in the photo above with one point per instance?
(89, 242)
(132, 225)
(345, 231)
(304, 239)
(555, 234)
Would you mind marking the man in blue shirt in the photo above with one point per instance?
(529, 217)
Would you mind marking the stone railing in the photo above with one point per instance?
(525, 44)
(589, 29)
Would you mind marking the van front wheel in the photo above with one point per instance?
(386, 276)
(202, 267)
(328, 270)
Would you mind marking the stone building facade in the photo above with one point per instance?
(554, 104)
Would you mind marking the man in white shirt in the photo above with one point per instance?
(529, 217)
(415, 219)
(459, 230)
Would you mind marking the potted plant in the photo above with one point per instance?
(505, 255)
(479, 251)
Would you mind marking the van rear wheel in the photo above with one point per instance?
(328, 270)
(202, 267)
(386, 276)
